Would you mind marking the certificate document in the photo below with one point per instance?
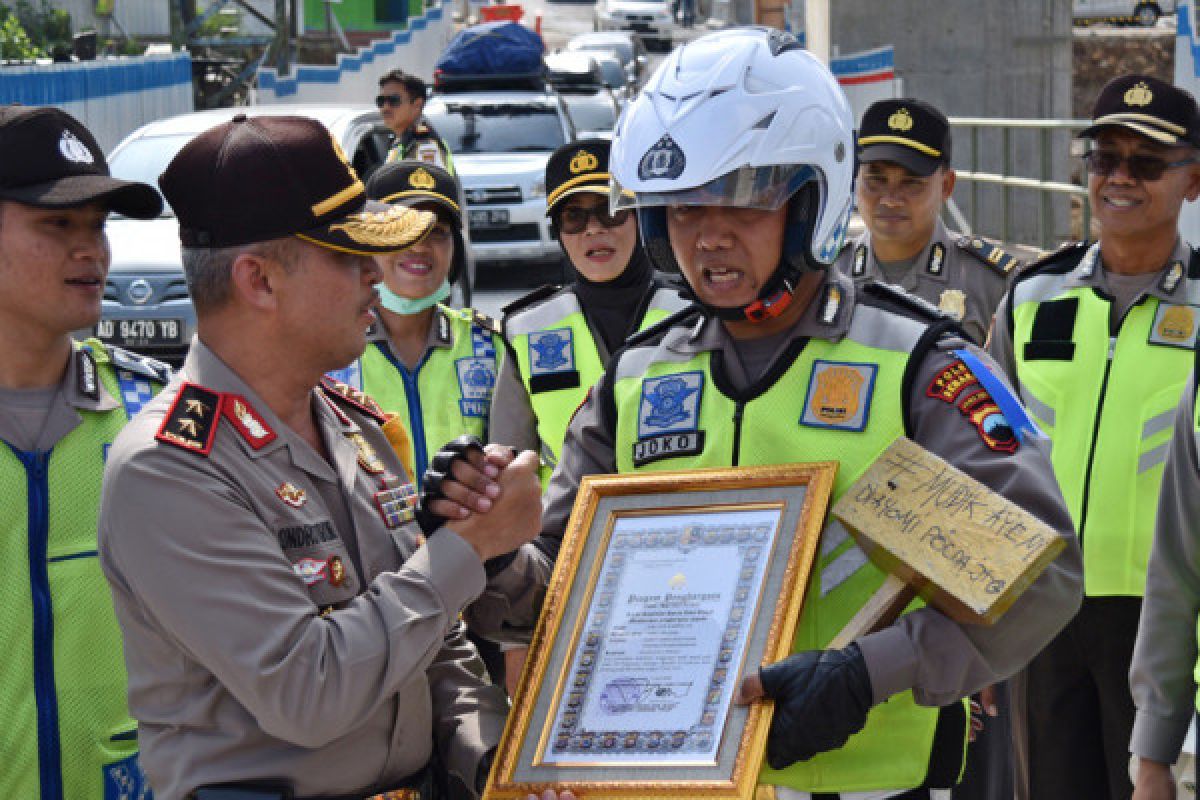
(655, 667)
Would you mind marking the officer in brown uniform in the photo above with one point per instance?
(904, 177)
(287, 626)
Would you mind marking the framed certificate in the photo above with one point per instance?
(668, 587)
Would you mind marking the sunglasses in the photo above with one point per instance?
(574, 219)
(390, 100)
(1141, 167)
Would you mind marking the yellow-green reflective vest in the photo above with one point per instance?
(671, 414)
(448, 394)
(559, 361)
(68, 734)
(1196, 436)
(1108, 403)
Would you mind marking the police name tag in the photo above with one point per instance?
(839, 395)
(669, 417)
(1175, 326)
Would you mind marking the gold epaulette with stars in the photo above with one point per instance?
(996, 258)
(358, 400)
(191, 422)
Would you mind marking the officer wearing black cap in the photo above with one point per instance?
(432, 364)
(904, 177)
(562, 338)
(289, 627)
(62, 402)
(1099, 338)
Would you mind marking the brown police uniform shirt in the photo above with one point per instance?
(38, 419)
(941, 660)
(276, 627)
(963, 276)
(1162, 675)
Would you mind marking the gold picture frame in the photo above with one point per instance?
(655, 533)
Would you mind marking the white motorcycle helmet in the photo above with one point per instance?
(742, 117)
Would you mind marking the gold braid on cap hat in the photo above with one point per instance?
(398, 226)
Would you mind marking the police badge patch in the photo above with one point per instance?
(476, 379)
(1174, 326)
(552, 361)
(668, 417)
(839, 395)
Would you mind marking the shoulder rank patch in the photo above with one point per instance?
(358, 400)
(86, 379)
(984, 400)
(839, 395)
(988, 253)
(246, 420)
(937, 259)
(191, 422)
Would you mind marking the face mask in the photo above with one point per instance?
(407, 306)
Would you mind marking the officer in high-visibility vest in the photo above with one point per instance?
(433, 365)
(1165, 669)
(1098, 339)
(562, 338)
(401, 101)
(68, 731)
(904, 177)
(786, 360)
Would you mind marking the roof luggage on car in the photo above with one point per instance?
(491, 55)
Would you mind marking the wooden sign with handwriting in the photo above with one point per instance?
(964, 548)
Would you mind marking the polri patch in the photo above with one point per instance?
(476, 379)
(839, 395)
(125, 780)
(1174, 326)
(669, 417)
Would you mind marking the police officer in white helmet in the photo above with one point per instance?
(738, 156)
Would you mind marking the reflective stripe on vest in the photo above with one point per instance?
(559, 361)
(68, 731)
(893, 751)
(1107, 403)
(447, 395)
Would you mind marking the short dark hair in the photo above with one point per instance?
(412, 84)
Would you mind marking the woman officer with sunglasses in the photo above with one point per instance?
(562, 338)
(1099, 338)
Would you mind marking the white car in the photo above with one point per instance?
(501, 141)
(146, 305)
(652, 20)
(1142, 12)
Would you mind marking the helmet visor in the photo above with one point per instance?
(767, 188)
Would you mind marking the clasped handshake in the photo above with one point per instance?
(489, 495)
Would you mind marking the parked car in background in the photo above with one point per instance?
(501, 140)
(613, 75)
(592, 105)
(651, 20)
(626, 46)
(1141, 12)
(146, 306)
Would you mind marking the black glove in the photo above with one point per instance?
(821, 698)
(439, 469)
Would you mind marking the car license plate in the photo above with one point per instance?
(489, 218)
(140, 332)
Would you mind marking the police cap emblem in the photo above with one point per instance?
(421, 179)
(583, 162)
(1139, 95)
(665, 160)
(901, 120)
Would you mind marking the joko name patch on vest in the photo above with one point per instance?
(839, 395)
(668, 418)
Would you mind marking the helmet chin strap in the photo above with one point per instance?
(775, 298)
